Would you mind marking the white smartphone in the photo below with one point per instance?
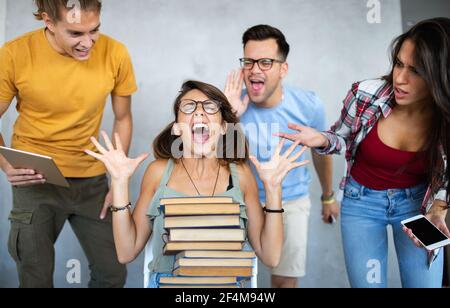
(332, 220)
(427, 233)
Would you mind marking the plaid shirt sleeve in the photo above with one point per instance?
(442, 193)
(429, 199)
(339, 134)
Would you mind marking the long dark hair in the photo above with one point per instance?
(233, 145)
(432, 60)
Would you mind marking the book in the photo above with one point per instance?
(202, 221)
(198, 280)
(213, 271)
(214, 262)
(214, 254)
(195, 200)
(202, 209)
(207, 235)
(175, 247)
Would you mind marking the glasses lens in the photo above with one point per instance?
(265, 64)
(211, 107)
(247, 63)
(188, 107)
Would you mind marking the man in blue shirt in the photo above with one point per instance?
(266, 108)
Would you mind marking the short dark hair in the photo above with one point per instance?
(53, 7)
(265, 32)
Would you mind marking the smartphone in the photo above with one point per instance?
(332, 219)
(427, 233)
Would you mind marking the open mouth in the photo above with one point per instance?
(399, 93)
(200, 133)
(82, 52)
(257, 85)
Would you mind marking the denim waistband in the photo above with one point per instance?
(411, 191)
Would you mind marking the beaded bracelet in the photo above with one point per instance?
(120, 209)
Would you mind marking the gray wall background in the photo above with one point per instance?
(170, 41)
(416, 10)
(2, 20)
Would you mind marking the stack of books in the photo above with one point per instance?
(206, 236)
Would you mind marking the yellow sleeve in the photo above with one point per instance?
(125, 84)
(8, 89)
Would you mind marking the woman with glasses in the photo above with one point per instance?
(397, 134)
(190, 161)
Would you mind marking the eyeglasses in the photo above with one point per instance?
(264, 64)
(188, 106)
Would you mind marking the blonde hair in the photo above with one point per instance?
(53, 7)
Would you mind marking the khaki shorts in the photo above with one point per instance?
(293, 256)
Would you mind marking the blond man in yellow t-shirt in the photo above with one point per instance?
(61, 77)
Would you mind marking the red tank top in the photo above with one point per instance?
(380, 167)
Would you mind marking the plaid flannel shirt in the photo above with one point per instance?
(364, 105)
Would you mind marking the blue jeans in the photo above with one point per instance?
(154, 279)
(365, 215)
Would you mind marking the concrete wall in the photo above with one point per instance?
(4, 207)
(2, 20)
(333, 44)
(416, 10)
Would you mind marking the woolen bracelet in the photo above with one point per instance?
(120, 209)
(329, 202)
(328, 199)
(273, 211)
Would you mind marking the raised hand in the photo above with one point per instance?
(305, 135)
(119, 166)
(233, 92)
(273, 172)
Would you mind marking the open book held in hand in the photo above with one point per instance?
(44, 165)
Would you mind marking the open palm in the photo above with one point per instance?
(305, 135)
(116, 161)
(233, 92)
(274, 171)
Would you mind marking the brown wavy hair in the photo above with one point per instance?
(431, 38)
(233, 144)
(53, 7)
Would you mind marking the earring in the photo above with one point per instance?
(223, 129)
(176, 130)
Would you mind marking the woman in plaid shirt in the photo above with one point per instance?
(396, 132)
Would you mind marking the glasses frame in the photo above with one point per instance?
(219, 105)
(242, 60)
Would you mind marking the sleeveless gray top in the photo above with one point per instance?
(165, 264)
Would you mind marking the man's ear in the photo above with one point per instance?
(49, 23)
(284, 69)
(176, 131)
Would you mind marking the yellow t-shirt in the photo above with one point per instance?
(61, 100)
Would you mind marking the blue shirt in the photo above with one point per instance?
(259, 125)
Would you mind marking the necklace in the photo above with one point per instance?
(192, 181)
